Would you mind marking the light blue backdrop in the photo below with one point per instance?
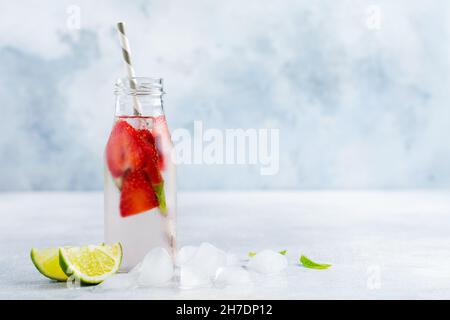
(359, 89)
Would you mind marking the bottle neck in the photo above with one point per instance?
(139, 97)
(146, 106)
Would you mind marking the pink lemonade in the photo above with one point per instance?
(140, 194)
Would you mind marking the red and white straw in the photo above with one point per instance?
(130, 70)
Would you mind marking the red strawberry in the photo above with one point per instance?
(151, 156)
(147, 136)
(123, 150)
(137, 194)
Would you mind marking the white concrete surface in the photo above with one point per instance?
(383, 245)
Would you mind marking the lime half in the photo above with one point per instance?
(47, 262)
(91, 264)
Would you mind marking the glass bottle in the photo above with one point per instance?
(139, 186)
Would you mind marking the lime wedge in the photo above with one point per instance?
(47, 262)
(90, 264)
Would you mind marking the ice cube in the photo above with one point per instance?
(117, 282)
(193, 277)
(208, 259)
(156, 269)
(232, 276)
(268, 262)
(232, 260)
(200, 270)
(185, 254)
(135, 271)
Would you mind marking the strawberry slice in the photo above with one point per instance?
(123, 150)
(137, 194)
(150, 166)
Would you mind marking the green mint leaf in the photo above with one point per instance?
(252, 254)
(159, 190)
(313, 265)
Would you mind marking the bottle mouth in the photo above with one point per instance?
(140, 86)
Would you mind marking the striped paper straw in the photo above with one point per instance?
(130, 70)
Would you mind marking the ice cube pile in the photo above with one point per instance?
(197, 267)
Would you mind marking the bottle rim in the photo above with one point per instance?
(139, 86)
